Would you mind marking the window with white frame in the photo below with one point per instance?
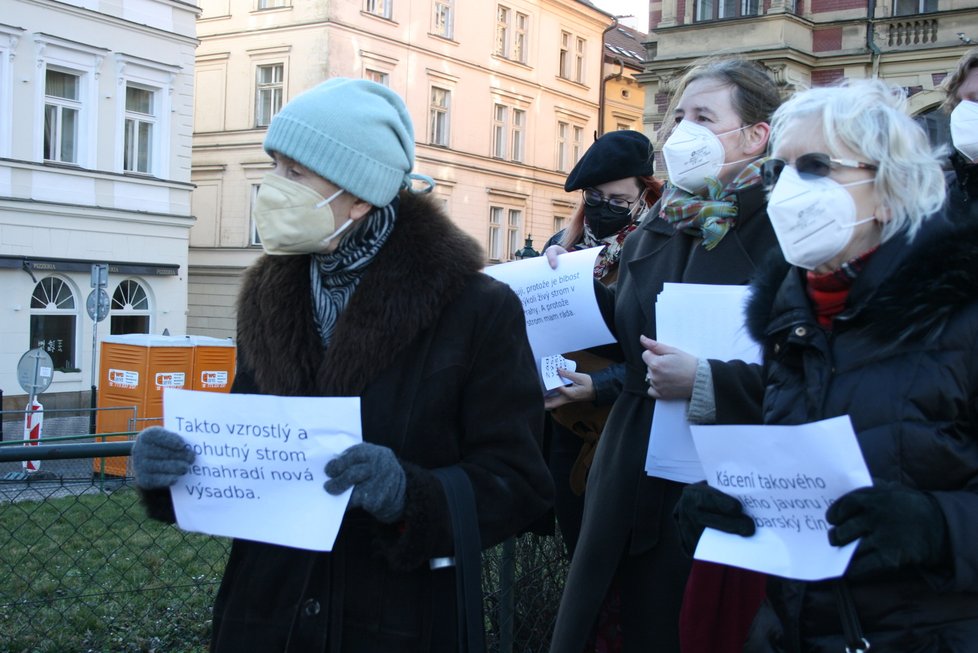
(380, 8)
(129, 309)
(502, 31)
(512, 34)
(443, 20)
(377, 76)
(140, 124)
(495, 245)
(508, 126)
(910, 7)
(54, 320)
(500, 129)
(573, 53)
(560, 223)
(518, 131)
(720, 9)
(62, 110)
(520, 37)
(514, 233)
(143, 114)
(272, 4)
(66, 99)
(563, 145)
(255, 237)
(439, 122)
(580, 52)
(564, 64)
(269, 89)
(577, 144)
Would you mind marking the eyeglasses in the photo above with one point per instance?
(615, 204)
(815, 164)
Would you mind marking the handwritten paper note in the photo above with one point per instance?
(259, 470)
(549, 367)
(786, 477)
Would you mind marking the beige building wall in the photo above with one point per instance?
(813, 42)
(498, 121)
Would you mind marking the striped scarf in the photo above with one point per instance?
(335, 276)
(710, 213)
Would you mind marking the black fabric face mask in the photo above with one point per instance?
(604, 222)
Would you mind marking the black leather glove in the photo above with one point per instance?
(159, 458)
(702, 506)
(899, 527)
(377, 478)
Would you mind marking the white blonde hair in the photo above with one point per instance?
(869, 118)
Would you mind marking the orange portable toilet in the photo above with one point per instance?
(214, 364)
(134, 370)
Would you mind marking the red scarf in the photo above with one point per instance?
(828, 292)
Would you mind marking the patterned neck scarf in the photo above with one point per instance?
(608, 257)
(336, 275)
(710, 213)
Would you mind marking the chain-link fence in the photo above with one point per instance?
(83, 570)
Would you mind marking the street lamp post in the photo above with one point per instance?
(527, 251)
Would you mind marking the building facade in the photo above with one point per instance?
(96, 102)
(910, 43)
(623, 98)
(504, 97)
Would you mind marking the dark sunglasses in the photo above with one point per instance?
(814, 164)
(615, 204)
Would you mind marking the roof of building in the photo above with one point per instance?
(627, 44)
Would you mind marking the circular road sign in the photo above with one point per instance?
(97, 304)
(35, 371)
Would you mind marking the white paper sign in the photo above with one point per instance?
(786, 477)
(706, 321)
(259, 467)
(561, 310)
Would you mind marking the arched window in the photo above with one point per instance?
(129, 309)
(54, 320)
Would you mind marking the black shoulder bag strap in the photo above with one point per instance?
(851, 630)
(468, 557)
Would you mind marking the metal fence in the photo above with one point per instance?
(83, 570)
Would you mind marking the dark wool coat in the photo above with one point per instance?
(438, 354)
(628, 514)
(902, 362)
(962, 189)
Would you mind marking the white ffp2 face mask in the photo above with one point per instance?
(692, 153)
(293, 218)
(813, 217)
(964, 129)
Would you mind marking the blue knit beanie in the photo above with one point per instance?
(353, 132)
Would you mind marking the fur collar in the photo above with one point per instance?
(421, 268)
(908, 290)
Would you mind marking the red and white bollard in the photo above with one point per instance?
(32, 432)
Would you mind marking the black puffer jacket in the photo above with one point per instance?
(902, 362)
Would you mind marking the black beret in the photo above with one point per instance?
(615, 155)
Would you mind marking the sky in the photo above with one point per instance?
(638, 8)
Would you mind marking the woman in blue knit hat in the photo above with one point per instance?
(616, 186)
(352, 299)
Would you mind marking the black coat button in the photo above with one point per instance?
(310, 608)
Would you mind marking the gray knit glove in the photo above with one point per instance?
(159, 458)
(377, 479)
